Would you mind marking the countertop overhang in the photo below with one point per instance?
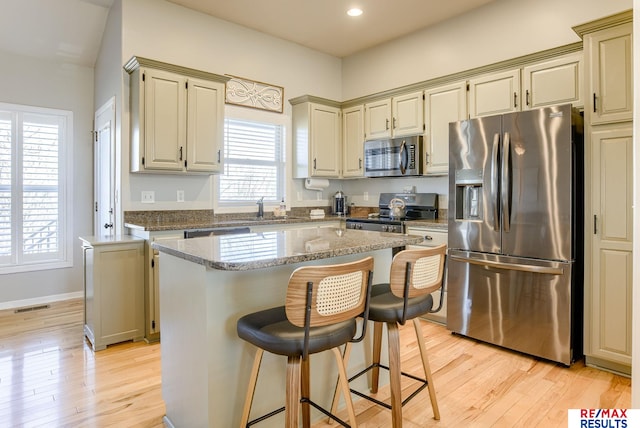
(249, 251)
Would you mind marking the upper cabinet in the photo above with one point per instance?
(610, 85)
(442, 105)
(316, 137)
(394, 117)
(558, 81)
(494, 93)
(353, 141)
(177, 118)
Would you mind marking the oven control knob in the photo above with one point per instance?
(384, 227)
(359, 226)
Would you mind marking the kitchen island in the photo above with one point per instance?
(207, 284)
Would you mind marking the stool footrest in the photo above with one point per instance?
(267, 416)
(423, 385)
(326, 413)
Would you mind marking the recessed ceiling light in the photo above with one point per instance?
(354, 12)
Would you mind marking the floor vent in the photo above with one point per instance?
(31, 308)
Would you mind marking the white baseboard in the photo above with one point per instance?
(40, 300)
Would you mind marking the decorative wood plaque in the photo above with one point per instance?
(249, 93)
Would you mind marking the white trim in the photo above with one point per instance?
(40, 300)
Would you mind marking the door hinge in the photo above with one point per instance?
(468, 87)
(95, 136)
(153, 263)
(142, 160)
(143, 77)
(185, 163)
(96, 207)
(153, 324)
(186, 85)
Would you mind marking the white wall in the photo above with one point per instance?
(30, 81)
(202, 42)
(495, 32)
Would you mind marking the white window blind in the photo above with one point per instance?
(253, 163)
(34, 212)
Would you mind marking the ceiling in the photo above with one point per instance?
(323, 25)
(71, 30)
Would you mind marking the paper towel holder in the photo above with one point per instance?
(318, 184)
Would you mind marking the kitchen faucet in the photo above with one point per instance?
(260, 207)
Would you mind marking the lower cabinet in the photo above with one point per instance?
(113, 290)
(609, 242)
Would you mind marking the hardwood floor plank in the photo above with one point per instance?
(49, 376)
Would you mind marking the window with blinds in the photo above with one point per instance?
(253, 163)
(33, 206)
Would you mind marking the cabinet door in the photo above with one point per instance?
(205, 118)
(325, 141)
(377, 119)
(353, 141)
(494, 94)
(611, 245)
(554, 82)
(610, 61)
(408, 116)
(164, 120)
(442, 105)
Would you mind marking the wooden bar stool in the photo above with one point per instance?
(320, 312)
(415, 274)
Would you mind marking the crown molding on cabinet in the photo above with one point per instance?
(606, 22)
(135, 62)
(464, 75)
(313, 99)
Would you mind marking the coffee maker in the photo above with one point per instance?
(339, 206)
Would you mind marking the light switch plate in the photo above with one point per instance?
(148, 197)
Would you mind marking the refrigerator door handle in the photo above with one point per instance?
(506, 184)
(494, 181)
(509, 266)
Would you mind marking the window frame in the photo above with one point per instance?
(17, 262)
(236, 113)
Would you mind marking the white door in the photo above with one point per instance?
(104, 169)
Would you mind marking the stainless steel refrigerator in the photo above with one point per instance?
(515, 231)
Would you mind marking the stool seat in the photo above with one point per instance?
(272, 331)
(384, 306)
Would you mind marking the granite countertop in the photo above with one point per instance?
(250, 251)
(108, 239)
(153, 225)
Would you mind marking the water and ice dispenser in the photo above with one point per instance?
(469, 191)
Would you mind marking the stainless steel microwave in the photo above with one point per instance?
(397, 157)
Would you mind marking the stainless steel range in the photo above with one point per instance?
(417, 206)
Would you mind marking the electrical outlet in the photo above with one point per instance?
(366, 196)
(180, 196)
(148, 197)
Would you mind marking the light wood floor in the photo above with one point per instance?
(49, 376)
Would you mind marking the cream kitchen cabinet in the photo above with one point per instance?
(494, 93)
(609, 56)
(609, 243)
(558, 81)
(177, 118)
(113, 290)
(353, 141)
(443, 104)
(394, 117)
(316, 137)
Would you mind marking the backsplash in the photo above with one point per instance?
(169, 216)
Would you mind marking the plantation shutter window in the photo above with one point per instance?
(34, 212)
(253, 163)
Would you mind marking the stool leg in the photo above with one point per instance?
(336, 395)
(252, 388)
(427, 369)
(377, 345)
(394, 374)
(344, 382)
(292, 392)
(305, 388)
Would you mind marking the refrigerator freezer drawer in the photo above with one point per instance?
(521, 304)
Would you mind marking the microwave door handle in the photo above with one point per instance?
(403, 155)
(506, 183)
(494, 181)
